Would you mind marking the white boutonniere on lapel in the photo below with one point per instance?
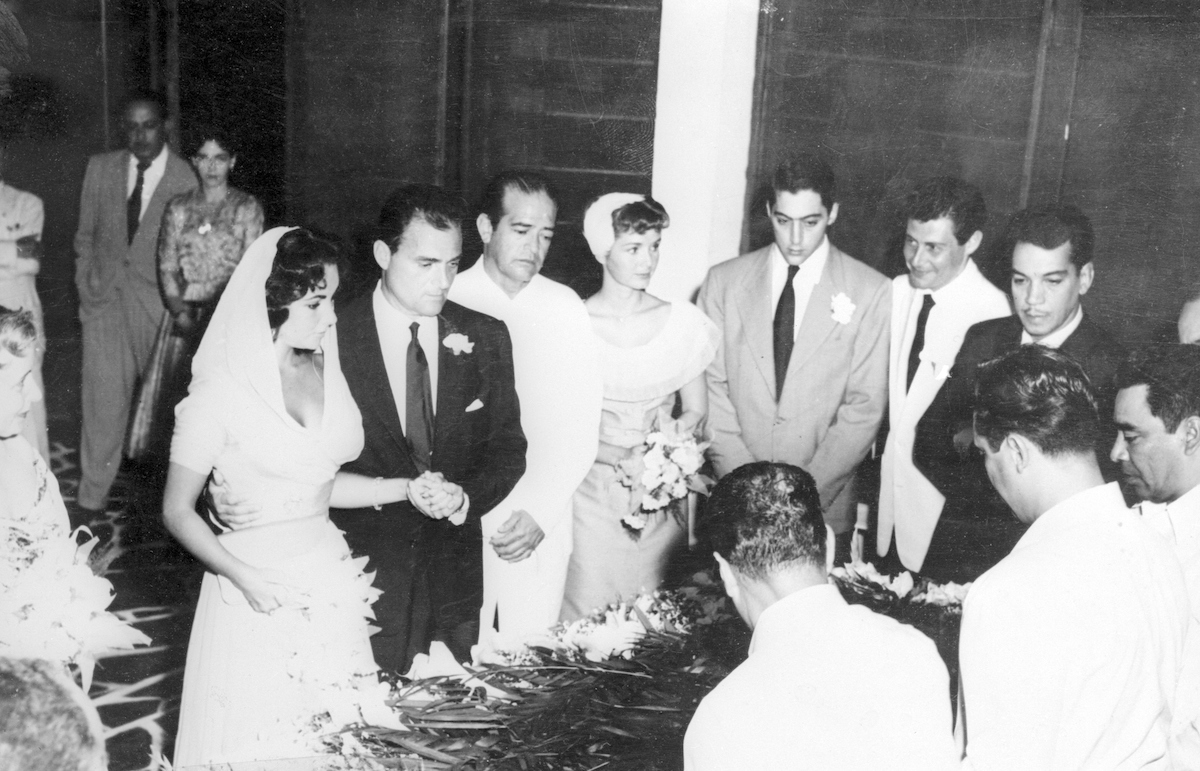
(843, 308)
(458, 343)
(942, 371)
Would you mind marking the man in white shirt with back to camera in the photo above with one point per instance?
(1158, 446)
(827, 685)
(1071, 645)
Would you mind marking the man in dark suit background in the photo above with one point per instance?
(434, 382)
(1052, 268)
(116, 273)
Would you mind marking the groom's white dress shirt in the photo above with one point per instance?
(395, 333)
(558, 383)
(1071, 645)
(1179, 522)
(827, 686)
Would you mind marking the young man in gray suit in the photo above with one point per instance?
(801, 376)
(120, 210)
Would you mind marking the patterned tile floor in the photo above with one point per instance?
(156, 584)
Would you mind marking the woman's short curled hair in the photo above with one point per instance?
(18, 335)
(299, 267)
(640, 216)
(224, 138)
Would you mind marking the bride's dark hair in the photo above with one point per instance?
(299, 267)
(640, 216)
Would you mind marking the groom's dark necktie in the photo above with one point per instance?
(418, 412)
(785, 329)
(914, 353)
(133, 207)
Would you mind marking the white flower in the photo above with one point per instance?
(458, 343)
(843, 308)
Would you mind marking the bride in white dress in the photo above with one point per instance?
(279, 651)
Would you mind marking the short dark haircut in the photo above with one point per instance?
(1051, 226)
(763, 517)
(520, 180)
(805, 171)
(1041, 394)
(43, 724)
(18, 333)
(441, 209)
(299, 267)
(152, 98)
(224, 138)
(951, 197)
(1171, 374)
(640, 216)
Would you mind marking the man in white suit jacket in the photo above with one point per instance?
(801, 376)
(945, 218)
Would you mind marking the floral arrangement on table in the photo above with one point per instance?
(615, 689)
(862, 581)
(665, 472)
(53, 602)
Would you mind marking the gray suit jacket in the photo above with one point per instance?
(836, 386)
(107, 266)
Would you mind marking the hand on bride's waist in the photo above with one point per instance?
(267, 589)
(234, 511)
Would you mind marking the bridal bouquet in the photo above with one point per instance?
(52, 605)
(666, 472)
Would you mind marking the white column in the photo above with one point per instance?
(706, 61)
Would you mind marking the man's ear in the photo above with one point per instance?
(1190, 426)
(1021, 450)
(973, 242)
(483, 224)
(1087, 274)
(833, 213)
(728, 577)
(383, 255)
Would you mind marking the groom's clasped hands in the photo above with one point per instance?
(437, 498)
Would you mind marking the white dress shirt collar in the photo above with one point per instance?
(1178, 522)
(150, 178)
(1066, 513)
(393, 326)
(1058, 336)
(806, 278)
(815, 600)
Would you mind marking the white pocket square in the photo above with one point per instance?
(475, 405)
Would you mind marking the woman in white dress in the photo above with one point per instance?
(279, 650)
(651, 352)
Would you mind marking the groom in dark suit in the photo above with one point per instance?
(1051, 252)
(434, 382)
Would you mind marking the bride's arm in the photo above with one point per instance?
(355, 491)
(694, 396)
(262, 589)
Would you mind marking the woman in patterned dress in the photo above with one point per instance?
(204, 234)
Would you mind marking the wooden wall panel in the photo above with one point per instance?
(567, 88)
(892, 94)
(364, 88)
(1133, 162)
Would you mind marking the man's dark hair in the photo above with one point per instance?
(43, 724)
(1171, 374)
(152, 98)
(1041, 394)
(520, 180)
(951, 197)
(430, 203)
(763, 517)
(805, 171)
(1051, 226)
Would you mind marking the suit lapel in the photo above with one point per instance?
(818, 322)
(368, 352)
(752, 298)
(118, 192)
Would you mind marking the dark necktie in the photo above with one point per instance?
(133, 207)
(419, 409)
(914, 353)
(785, 329)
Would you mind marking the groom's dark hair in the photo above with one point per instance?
(430, 203)
(763, 517)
